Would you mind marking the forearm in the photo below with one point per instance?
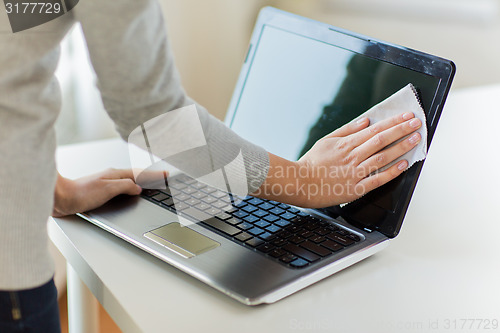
(284, 182)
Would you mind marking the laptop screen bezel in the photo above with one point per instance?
(415, 60)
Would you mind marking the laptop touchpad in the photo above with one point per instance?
(182, 240)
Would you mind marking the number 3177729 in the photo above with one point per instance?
(33, 8)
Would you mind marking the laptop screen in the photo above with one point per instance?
(297, 89)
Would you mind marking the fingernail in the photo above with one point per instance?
(407, 115)
(360, 121)
(402, 165)
(415, 123)
(414, 139)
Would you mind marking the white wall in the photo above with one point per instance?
(210, 38)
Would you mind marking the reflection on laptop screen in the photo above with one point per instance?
(299, 89)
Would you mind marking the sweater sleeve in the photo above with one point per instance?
(138, 81)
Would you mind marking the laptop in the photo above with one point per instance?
(300, 80)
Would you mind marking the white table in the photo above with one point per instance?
(442, 269)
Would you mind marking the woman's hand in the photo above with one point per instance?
(86, 193)
(340, 167)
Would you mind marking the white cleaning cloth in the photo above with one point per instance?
(405, 100)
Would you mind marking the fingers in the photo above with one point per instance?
(383, 125)
(387, 137)
(122, 186)
(372, 182)
(350, 128)
(390, 154)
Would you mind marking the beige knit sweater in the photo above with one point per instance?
(136, 76)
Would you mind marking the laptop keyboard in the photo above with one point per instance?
(276, 230)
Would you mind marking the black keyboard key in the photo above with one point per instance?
(293, 228)
(255, 231)
(181, 197)
(168, 202)
(177, 186)
(323, 231)
(202, 206)
(208, 190)
(224, 216)
(189, 190)
(302, 214)
(199, 195)
(282, 223)
(277, 211)
(296, 239)
(354, 237)
(213, 211)
(267, 236)
(160, 197)
(149, 193)
(279, 242)
(276, 253)
(240, 204)
(284, 234)
(301, 252)
(255, 201)
(234, 221)
(273, 228)
(243, 237)
(332, 227)
(180, 206)
(293, 210)
(266, 247)
(250, 208)
(299, 263)
(219, 194)
(283, 206)
(319, 250)
(306, 234)
(251, 219)
(332, 245)
(317, 239)
(342, 232)
(266, 206)
(241, 214)
(340, 239)
(287, 216)
(208, 200)
(198, 185)
(299, 220)
(311, 226)
(260, 213)
(262, 224)
(192, 201)
(222, 226)
(287, 258)
(245, 225)
(254, 242)
(221, 204)
(231, 209)
(271, 218)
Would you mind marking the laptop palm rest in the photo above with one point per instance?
(181, 240)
